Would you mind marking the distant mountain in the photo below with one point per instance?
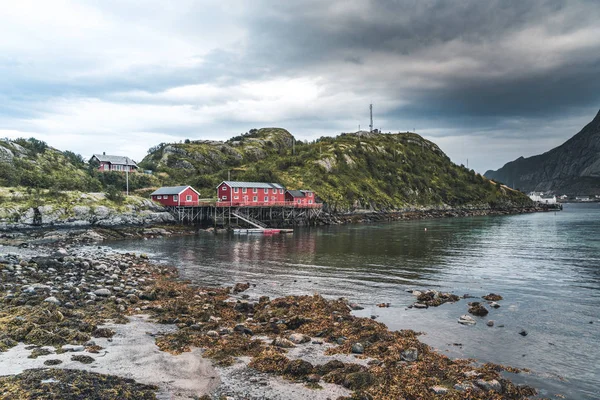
(353, 170)
(571, 168)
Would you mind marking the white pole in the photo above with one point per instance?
(127, 180)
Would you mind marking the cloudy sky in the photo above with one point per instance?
(486, 80)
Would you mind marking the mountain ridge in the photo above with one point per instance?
(571, 168)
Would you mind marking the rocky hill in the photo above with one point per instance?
(355, 170)
(571, 168)
(32, 164)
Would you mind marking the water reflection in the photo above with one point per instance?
(546, 265)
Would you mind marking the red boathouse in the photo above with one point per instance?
(176, 196)
(231, 193)
(301, 198)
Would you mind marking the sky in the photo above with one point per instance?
(488, 81)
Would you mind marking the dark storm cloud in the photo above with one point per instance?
(310, 35)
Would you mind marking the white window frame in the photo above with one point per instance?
(254, 190)
(266, 199)
(236, 197)
(310, 202)
(255, 199)
(175, 197)
(299, 201)
(166, 197)
(244, 190)
(158, 197)
(280, 191)
(188, 197)
(266, 191)
(274, 191)
(236, 190)
(224, 187)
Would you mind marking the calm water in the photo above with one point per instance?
(546, 265)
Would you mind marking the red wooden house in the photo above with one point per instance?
(114, 163)
(301, 198)
(231, 193)
(176, 196)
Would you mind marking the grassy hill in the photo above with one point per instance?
(32, 164)
(358, 170)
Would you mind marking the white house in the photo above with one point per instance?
(540, 198)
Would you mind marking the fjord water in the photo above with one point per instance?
(546, 265)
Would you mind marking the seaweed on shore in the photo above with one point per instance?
(64, 384)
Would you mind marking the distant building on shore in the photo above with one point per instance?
(114, 163)
(541, 198)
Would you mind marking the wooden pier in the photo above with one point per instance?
(261, 217)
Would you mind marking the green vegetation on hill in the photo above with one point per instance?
(31, 163)
(366, 170)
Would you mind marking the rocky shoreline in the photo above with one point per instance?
(366, 216)
(68, 310)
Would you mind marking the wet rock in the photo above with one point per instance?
(490, 323)
(52, 362)
(358, 380)
(299, 338)
(103, 332)
(243, 329)
(73, 348)
(241, 287)
(523, 332)
(478, 309)
(439, 389)
(52, 300)
(213, 334)
(313, 378)
(463, 387)
(358, 348)
(83, 359)
(355, 306)
(410, 354)
(383, 305)
(466, 320)
(493, 304)
(420, 305)
(283, 342)
(298, 368)
(492, 297)
(489, 385)
(102, 292)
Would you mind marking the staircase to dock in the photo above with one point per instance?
(252, 221)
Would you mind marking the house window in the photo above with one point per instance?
(309, 194)
(235, 190)
(224, 187)
(254, 190)
(266, 198)
(274, 191)
(244, 190)
(158, 197)
(188, 197)
(299, 201)
(280, 191)
(166, 197)
(236, 197)
(255, 199)
(175, 197)
(266, 191)
(224, 198)
(310, 202)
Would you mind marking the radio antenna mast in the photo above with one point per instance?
(371, 114)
